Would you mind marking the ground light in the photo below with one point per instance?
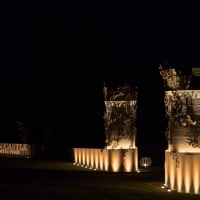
(84, 166)
(164, 187)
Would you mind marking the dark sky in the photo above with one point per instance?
(72, 48)
(146, 31)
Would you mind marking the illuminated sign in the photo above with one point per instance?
(196, 71)
(13, 149)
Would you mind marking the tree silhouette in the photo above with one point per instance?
(23, 132)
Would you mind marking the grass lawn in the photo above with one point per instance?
(46, 179)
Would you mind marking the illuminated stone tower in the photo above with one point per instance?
(120, 153)
(182, 158)
(119, 118)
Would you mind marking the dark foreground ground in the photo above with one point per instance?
(45, 179)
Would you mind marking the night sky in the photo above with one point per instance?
(56, 56)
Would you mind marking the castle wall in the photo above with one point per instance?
(119, 121)
(185, 130)
(182, 158)
(108, 160)
(186, 176)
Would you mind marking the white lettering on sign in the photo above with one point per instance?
(13, 149)
(196, 71)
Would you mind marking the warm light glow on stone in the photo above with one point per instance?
(91, 158)
(179, 176)
(128, 165)
(172, 174)
(108, 160)
(101, 161)
(186, 177)
(129, 161)
(83, 151)
(79, 155)
(106, 156)
(96, 158)
(87, 157)
(75, 155)
(196, 174)
(116, 157)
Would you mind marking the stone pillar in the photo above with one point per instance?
(119, 122)
(182, 157)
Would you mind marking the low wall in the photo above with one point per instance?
(186, 176)
(109, 160)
